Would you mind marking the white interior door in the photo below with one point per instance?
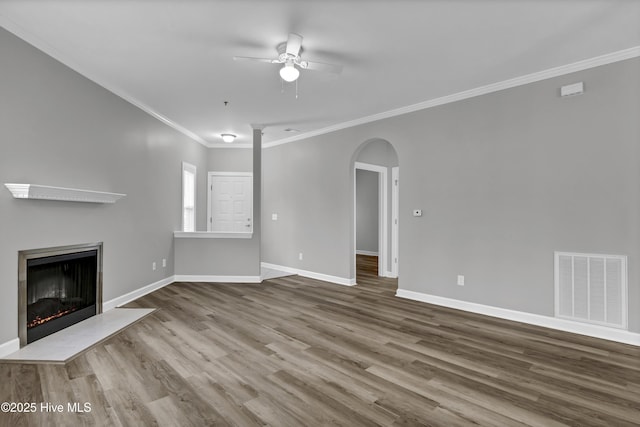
(230, 202)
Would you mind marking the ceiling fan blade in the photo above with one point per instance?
(250, 58)
(321, 66)
(294, 43)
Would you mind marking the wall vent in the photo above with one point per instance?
(591, 288)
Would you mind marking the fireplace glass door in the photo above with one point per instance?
(61, 291)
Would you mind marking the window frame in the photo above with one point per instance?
(190, 169)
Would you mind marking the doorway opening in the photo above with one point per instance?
(371, 214)
(375, 219)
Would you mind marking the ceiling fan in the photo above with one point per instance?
(289, 55)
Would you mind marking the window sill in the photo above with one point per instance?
(211, 235)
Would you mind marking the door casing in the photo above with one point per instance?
(242, 176)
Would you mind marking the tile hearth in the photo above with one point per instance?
(64, 345)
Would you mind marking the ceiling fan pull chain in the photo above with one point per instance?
(296, 89)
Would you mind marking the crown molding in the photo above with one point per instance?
(609, 58)
(49, 50)
(586, 64)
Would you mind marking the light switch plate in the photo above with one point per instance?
(274, 216)
(417, 212)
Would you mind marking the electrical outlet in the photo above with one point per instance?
(153, 266)
(460, 280)
(300, 256)
(417, 212)
(274, 217)
(164, 262)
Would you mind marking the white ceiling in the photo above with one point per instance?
(174, 58)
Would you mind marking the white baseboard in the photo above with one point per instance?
(9, 347)
(595, 331)
(369, 253)
(311, 274)
(14, 345)
(126, 298)
(217, 279)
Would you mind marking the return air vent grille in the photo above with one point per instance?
(591, 288)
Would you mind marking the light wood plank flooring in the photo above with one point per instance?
(301, 352)
(368, 280)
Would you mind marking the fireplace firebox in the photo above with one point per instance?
(57, 288)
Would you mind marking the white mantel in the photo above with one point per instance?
(46, 192)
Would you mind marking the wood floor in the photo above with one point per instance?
(368, 280)
(301, 352)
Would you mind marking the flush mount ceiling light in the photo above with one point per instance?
(228, 137)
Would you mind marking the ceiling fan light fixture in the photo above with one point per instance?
(289, 72)
(228, 137)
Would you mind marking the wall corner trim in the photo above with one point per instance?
(590, 330)
(311, 274)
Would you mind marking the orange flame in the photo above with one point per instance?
(39, 320)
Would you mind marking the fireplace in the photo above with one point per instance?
(57, 287)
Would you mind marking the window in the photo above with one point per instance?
(188, 197)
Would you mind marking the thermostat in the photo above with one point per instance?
(572, 90)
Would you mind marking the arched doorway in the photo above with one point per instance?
(375, 212)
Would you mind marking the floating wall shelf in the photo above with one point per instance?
(45, 192)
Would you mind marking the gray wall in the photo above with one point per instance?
(378, 152)
(58, 128)
(503, 179)
(217, 257)
(307, 185)
(229, 160)
(366, 211)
